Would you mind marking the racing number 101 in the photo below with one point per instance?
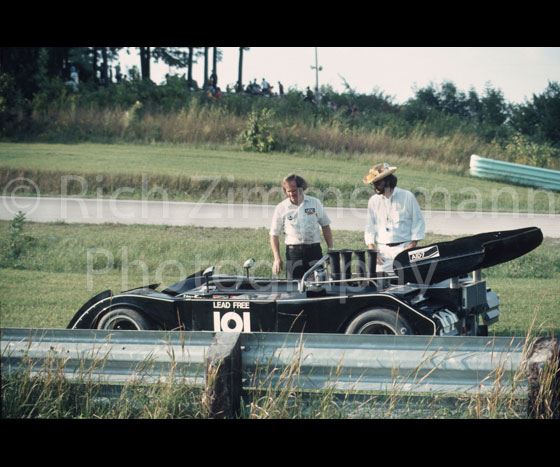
(232, 322)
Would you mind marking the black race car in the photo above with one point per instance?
(435, 290)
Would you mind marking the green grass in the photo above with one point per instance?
(52, 396)
(187, 172)
(49, 281)
(45, 285)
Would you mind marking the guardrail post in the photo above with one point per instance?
(223, 376)
(544, 379)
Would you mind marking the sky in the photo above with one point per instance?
(519, 72)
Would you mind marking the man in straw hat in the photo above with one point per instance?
(394, 220)
(299, 216)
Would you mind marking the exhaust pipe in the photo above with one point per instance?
(341, 263)
(346, 264)
(371, 263)
(334, 259)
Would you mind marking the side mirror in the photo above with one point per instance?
(248, 265)
(207, 273)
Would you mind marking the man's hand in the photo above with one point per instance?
(275, 245)
(277, 266)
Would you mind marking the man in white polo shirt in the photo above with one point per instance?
(394, 221)
(299, 216)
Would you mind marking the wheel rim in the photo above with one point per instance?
(377, 327)
(121, 323)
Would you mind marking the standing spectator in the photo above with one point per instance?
(308, 95)
(299, 216)
(214, 79)
(264, 86)
(74, 79)
(118, 75)
(394, 221)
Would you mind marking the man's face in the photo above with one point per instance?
(379, 186)
(294, 193)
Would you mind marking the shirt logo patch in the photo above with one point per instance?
(309, 211)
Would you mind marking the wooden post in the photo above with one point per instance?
(223, 376)
(544, 379)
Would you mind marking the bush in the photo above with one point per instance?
(521, 150)
(259, 135)
(18, 242)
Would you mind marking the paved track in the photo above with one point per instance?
(99, 211)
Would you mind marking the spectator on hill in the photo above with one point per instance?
(74, 79)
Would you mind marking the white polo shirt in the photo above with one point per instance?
(300, 223)
(393, 220)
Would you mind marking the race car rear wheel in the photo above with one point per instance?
(379, 321)
(124, 319)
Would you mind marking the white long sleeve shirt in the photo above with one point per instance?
(395, 219)
(299, 223)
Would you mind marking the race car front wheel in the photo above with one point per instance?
(124, 319)
(379, 321)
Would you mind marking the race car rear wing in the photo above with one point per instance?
(444, 260)
(430, 264)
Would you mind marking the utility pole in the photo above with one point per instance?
(317, 69)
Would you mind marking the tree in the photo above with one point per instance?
(540, 118)
(32, 67)
(474, 106)
(144, 62)
(189, 66)
(239, 86)
(191, 59)
(172, 56)
(494, 107)
(108, 54)
(215, 58)
(452, 101)
(205, 80)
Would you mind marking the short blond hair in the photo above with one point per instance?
(300, 182)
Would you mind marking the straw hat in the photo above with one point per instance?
(378, 172)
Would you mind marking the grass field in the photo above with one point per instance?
(222, 174)
(47, 271)
(62, 266)
(55, 259)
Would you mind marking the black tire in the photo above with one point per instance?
(124, 319)
(379, 321)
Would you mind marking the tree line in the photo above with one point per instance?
(100, 65)
(31, 77)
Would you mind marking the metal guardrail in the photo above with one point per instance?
(304, 361)
(386, 363)
(107, 356)
(515, 173)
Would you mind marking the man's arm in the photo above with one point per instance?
(275, 245)
(327, 233)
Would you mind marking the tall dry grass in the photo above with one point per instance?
(44, 392)
(212, 125)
